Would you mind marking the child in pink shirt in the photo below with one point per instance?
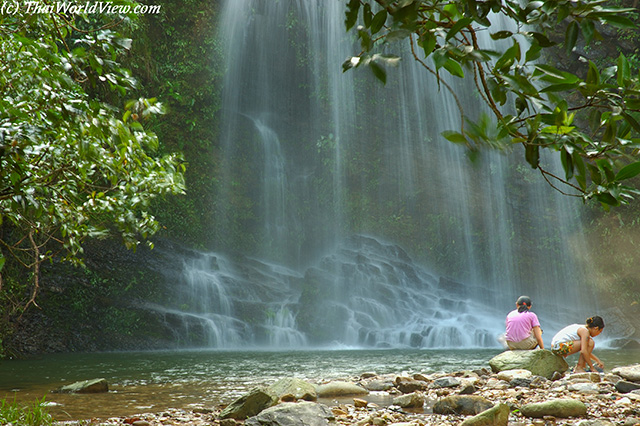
(523, 327)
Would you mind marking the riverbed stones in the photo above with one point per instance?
(409, 400)
(624, 386)
(497, 415)
(302, 413)
(86, 386)
(509, 375)
(409, 385)
(630, 372)
(540, 362)
(468, 405)
(340, 388)
(563, 407)
(250, 404)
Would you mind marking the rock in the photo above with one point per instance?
(294, 414)
(591, 377)
(409, 400)
(86, 386)
(631, 421)
(297, 388)
(467, 389)
(557, 408)
(359, 403)
(520, 382)
(468, 405)
(596, 423)
(409, 385)
(250, 404)
(584, 387)
(445, 382)
(338, 388)
(495, 416)
(624, 386)
(378, 385)
(540, 362)
(509, 375)
(630, 373)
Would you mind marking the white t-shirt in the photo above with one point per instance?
(567, 334)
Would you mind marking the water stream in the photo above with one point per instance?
(360, 225)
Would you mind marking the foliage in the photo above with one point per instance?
(71, 165)
(176, 57)
(35, 414)
(591, 121)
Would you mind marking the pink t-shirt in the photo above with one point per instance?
(519, 325)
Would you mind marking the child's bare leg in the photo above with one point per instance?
(582, 361)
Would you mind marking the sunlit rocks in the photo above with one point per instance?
(86, 386)
(339, 388)
(295, 388)
(495, 416)
(557, 408)
(289, 414)
(409, 400)
(630, 373)
(540, 362)
(468, 405)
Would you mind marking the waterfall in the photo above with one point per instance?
(311, 156)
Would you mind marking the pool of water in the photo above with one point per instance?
(153, 381)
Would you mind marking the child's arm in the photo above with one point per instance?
(597, 360)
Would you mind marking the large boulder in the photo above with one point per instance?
(250, 404)
(468, 405)
(557, 408)
(294, 414)
(540, 362)
(630, 372)
(495, 416)
(86, 386)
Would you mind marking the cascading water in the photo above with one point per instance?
(312, 156)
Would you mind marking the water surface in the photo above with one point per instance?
(153, 381)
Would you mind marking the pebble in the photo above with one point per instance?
(604, 403)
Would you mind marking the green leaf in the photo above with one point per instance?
(567, 163)
(624, 71)
(428, 43)
(593, 75)
(571, 36)
(457, 27)
(501, 35)
(608, 199)
(379, 72)
(454, 68)
(378, 21)
(532, 155)
(628, 171)
(351, 14)
(588, 30)
(618, 21)
(454, 137)
(367, 15)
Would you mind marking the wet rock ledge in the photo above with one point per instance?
(514, 397)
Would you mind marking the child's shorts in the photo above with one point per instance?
(562, 349)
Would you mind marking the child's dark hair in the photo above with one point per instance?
(524, 303)
(595, 322)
